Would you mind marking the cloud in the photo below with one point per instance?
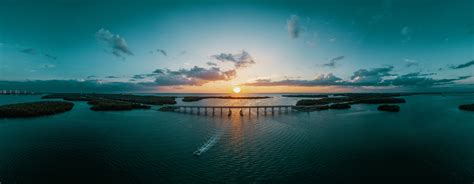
(293, 26)
(195, 76)
(371, 76)
(160, 51)
(117, 44)
(410, 62)
(319, 80)
(465, 65)
(111, 77)
(406, 33)
(417, 79)
(337, 58)
(138, 77)
(91, 76)
(211, 64)
(376, 77)
(48, 66)
(31, 51)
(159, 71)
(49, 56)
(74, 86)
(331, 64)
(240, 60)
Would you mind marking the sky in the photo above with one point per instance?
(212, 46)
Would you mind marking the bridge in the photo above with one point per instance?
(220, 109)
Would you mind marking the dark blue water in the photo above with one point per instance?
(429, 141)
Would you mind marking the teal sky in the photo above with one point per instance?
(117, 45)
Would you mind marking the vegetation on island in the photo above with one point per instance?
(389, 108)
(33, 109)
(343, 101)
(114, 102)
(197, 98)
(306, 96)
(312, 108)
(114, 105)
(340, 106)
(142, 99)
(467, 107)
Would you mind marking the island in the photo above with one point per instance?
(306, 96)
(114, 102)
(467, 107)
(114, 105)
(197, 98)
(343, 101)
(340, 106)
(33, 109)
(389, 108)
(67, 96)
(141, 99)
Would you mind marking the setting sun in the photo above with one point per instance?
(236, 89)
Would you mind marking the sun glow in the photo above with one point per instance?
(236, 89)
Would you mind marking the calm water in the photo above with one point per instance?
(429, 141)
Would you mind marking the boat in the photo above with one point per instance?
(197, 152)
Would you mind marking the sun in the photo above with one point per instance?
(236, 89)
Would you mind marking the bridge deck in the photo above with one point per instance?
(234, 107)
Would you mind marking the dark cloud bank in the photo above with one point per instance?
(376, 77)
(197, 76)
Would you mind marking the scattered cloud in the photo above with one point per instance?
(49, 56)
(371, 76)
(406, 33)
(162, 52)
(337, 58)
(211, 64)
(31, 51)
(293, 26)
(195, 76)
(117, 44)
(465, 65)
(365, 77)
(410, 62)
(319, 80)
(240, 60)
(48, 66)
(159, 71)
(331, 64)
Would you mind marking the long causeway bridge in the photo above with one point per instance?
(212, 110)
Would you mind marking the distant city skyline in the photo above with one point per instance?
(212, 46)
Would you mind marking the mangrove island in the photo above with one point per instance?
(33, 109)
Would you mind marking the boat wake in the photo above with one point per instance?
(213, 140)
